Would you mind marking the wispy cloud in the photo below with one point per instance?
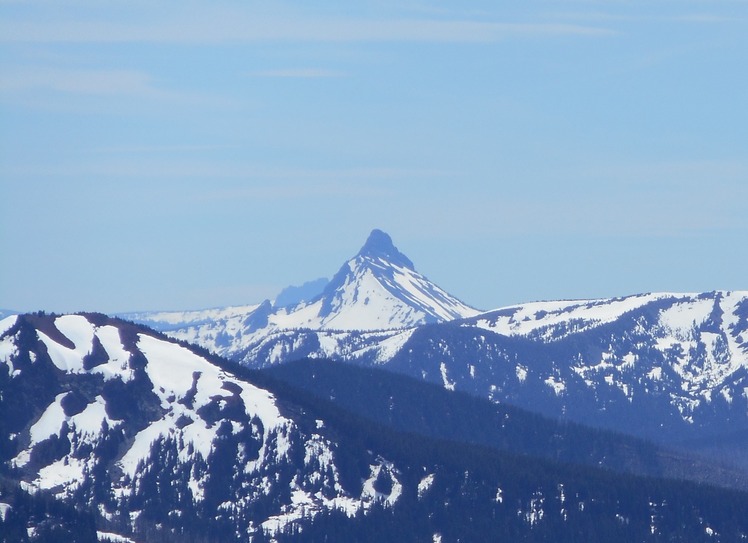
(704, 18)
(639, 16)
(56, 88)
(298, 73)
(235, 25)
(160, 149)
(159, 167)
(94, 82)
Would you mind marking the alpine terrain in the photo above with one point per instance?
(376, 292)
(664, 366)
(110, 431)
(103, 413)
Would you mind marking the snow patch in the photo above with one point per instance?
(7, 323)
(655, 374)
(680, 319)
(4, 508)
(8, 350)
(424, 484)
(556, 384)
(115, 538)
(91, 419)
(449, 385)
(80, 332)
(392, 345)
(66, 474)
(535, 511)
(118, 364)
(50, 423)
(499, 498)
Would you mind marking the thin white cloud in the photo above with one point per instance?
(159, 149)
(226, 26)
(599, 17)
(705, 18)
(47, 87)
(119, 164)
(297, 73)
(94, 82)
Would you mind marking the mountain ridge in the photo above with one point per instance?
(409, 404)
(165, 444)
(378, 289)
(98, 411)
(604, 362)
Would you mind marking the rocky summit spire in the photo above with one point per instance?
(379, 245)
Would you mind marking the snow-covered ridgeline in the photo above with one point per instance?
(168, 320)
(679, 313)
(711, 326)
(192, 407)
(573, 315)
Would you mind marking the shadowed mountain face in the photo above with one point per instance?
(294, 295)
(409, 404)
(379, 246)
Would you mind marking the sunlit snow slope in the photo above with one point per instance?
(102, 412)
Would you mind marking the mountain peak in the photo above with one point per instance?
(379, 245)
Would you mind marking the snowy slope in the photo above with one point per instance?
(546, 319)
(167, 445)
(663, 366)
(704, 336)
(164, 321)
(660, 365)
(99, 411)
(377, 290)
(380, 289)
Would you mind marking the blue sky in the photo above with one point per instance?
(155, 156)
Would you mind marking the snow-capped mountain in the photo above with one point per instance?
(663, 366)
(377, 290)
(144, 439)
(104, 413)
(380, 289)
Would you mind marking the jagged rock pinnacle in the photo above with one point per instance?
(379, 245)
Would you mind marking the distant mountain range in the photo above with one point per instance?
(276, 421)
(664, 366)
(668, 367)
(139, 438)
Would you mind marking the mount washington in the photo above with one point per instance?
(664, 366)
(378, 407)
